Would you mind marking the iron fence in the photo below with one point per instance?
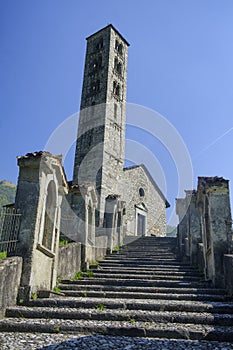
(9, 229)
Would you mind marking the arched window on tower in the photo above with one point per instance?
(115, 63)
(116, 44)
(96, 64)
(114, 87)
(115, 110)
(120, 49)
(119, 68)
(118, 90)
(100, 44)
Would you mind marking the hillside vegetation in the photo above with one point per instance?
(7, 192)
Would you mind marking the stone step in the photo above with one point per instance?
(153, 240)
(161, 268)
(104, 263)
(145, 255)
(142, 262)
(140, 295)
(149, 249)
(136, 304)
(123, 328)
(139, 282)
(161, 290)
(146, 272)
(119, 315)
(150, 246)
(142, 256)
(141, 276)
(146, 251)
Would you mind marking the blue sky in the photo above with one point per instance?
(180, 64)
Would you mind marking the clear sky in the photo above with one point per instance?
(180, 64)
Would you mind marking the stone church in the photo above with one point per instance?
(105, 203)
(99, 157)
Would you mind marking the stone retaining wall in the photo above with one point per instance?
(101, 246)
(10, 274)
(69, 261)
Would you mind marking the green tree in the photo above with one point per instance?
(7, 192)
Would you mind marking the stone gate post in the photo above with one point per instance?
(214, 204)
(41, 186)
(110, 220)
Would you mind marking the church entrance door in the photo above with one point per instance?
(141, 225)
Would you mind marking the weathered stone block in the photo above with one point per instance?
(69, 260)
(10, 274)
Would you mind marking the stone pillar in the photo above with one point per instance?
(194, 226)
(119, 223)
(41, 186)
(110, 220)
(214, 205)
(189, 231)
(84, 203)
(182, 226)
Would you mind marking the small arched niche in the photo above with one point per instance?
(50, 216)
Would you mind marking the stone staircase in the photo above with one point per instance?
(142, 290)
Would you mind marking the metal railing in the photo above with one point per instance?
(9, 229)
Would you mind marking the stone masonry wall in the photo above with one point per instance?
(69, 261)
(10, 274)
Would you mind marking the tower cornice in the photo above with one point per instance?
(109, 26)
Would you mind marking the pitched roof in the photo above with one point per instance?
(109, 26)
(151, 179)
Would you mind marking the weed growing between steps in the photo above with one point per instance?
(116, 249)
(77, 276)
(34, 296)
(100, 307)
(57, 329)
(90, 274)
(56, 289)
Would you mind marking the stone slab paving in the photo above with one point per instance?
(33, 341)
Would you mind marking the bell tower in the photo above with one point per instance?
(99, 156)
